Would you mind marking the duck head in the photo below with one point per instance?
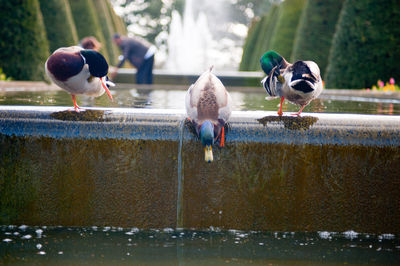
(272, 59)
(207, 139)
(303, 76)
(98, 67)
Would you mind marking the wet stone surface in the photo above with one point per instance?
(290, 122)
(83, 115)
(339, 174)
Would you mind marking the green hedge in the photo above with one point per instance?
(366, 45)
(265, 36)
(87, 23)
(107, 29)
(258, 40)
(289, 16)
(60, 26)
(23, 47)
(316, 28)
(249, 45)
(118, 23)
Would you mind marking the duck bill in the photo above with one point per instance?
(208, 154)
(106, 88)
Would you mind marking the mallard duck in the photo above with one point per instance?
(79, 71)
(299, 83)
(208, 106)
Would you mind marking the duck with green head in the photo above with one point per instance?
(209, 106)
(299, 83)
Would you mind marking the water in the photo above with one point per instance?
(188, 41)
(174, 99)
(179, 204)
(112, 245)
(205, 35)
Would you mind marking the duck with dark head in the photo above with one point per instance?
(299, 83)
(79, 71)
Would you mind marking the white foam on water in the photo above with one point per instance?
(168, 230)
(26, 237)
(350, 234)
(387, 236)
(7, 240)
(23, 227)
(39, 233)
(324, 234)
(135, 229)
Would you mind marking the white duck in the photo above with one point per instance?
(208, 106)
(79, 71)
(299, 83)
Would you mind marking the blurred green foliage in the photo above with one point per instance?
(60, 26)
(315, 32)
(118, 23)
(258, 40)
(87, 22)
(24, 47)
(107, 29)
(249, 45)
(286, 27)
(366, 45)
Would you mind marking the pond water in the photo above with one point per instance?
(119, 246)
(174, 99)
(122, 246)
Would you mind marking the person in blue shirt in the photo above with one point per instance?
(140, 53)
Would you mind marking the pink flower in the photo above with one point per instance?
(381, 84)
(391, 81)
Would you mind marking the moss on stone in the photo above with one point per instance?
(60, 26)
(290, 122)
(23, 47)
(87, 115)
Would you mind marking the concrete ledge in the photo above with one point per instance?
(160, 124)
(126, 167)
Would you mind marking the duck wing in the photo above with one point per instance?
(65, 63)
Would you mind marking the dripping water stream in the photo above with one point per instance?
(179, 205)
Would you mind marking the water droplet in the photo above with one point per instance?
(23, 227)
(26, 237)
(168, 230)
